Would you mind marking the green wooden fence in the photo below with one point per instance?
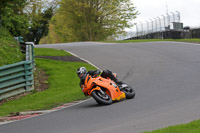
(18, 77)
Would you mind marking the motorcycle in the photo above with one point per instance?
(105, 91)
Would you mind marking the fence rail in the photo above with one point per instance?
(18, 77)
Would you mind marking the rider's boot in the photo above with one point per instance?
(112, 77)
(118, 82)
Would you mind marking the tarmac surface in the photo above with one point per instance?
(165, 76)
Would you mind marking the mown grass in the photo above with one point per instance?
(63, 87)
(154, 40)
(192, 127)
(50, 52)
(9, 49)
(134, 41)
(197, 40)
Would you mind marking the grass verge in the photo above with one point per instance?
(140, 40)
(154, 40)
(50, 52)
(9, 49)
(192, 127)
(63, 86)
(197, 40)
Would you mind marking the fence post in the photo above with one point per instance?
(29, 75)
(179, 18)
(30, 52)
(159, 22)
(164, 22)
(156, 24)
(147, 26)
(142, 27)
(29, 66)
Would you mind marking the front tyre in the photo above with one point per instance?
(129, 91)
(101, 97)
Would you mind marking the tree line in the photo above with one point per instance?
(49, 21)
(26, 18)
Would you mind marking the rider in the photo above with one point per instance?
(82, 73)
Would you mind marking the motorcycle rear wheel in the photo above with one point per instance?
(101, 97)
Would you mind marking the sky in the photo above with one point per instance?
(189, 10)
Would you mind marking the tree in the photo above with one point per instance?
(27, 18)
(91, 20)
(39, 12)
(12, 16)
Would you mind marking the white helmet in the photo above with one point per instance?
(81, 72)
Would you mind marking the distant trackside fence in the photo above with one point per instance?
(18, 78)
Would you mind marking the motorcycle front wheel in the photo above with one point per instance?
(129, 91)
(101, 97)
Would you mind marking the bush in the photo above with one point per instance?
(9, 49)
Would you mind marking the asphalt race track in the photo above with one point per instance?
(165, 76)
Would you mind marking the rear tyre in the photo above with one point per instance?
(101, 97)
(129, 91)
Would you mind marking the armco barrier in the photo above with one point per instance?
(18, 77)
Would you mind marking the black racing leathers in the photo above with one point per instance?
(104, 74)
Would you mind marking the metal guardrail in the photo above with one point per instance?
(30, 52)
(18, 77)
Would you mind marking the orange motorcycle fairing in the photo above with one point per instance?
(107, 85)
(96, 88)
